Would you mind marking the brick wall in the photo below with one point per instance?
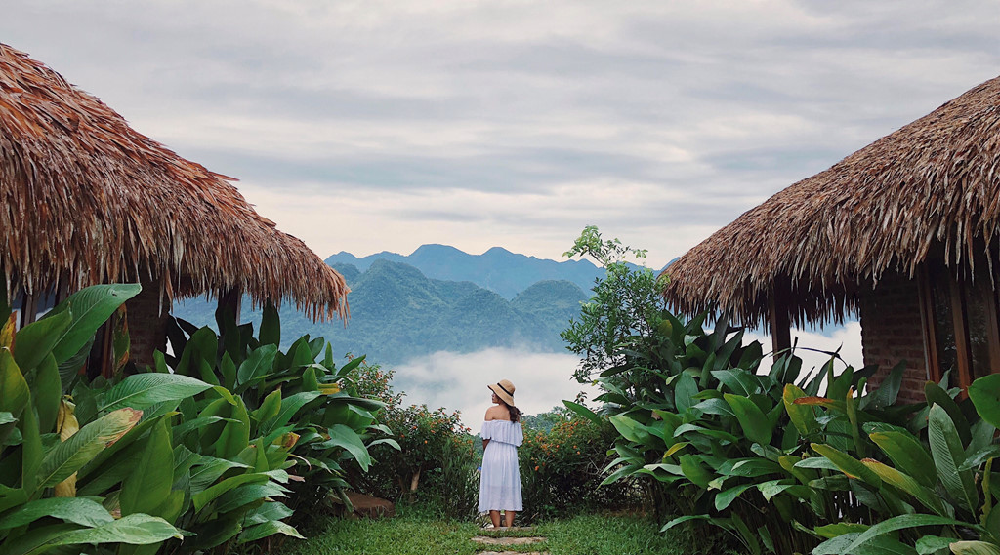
(147, 323)
(891, 331)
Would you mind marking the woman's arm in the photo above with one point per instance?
(485, 441)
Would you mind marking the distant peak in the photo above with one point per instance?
(497, 250)
(436, 248)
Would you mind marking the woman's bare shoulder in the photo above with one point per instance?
(496, 412)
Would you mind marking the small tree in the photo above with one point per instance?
(624, 314)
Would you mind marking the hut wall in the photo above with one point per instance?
(147, 323)
(891, 332)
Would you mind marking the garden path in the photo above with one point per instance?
(501, 537)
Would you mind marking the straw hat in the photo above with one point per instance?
(504, 390)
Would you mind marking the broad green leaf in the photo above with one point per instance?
(725, 498)
(685, 388)
(908, 455)
(144, 390)
(246, 494)
(754, 467)
(839, 529)
(77, 510)
(755, 425)
(948, 454)
(901, 522)
(289, 406)
(31, 451)
(266, 529)
(235, 435)
(880, 545)
(209, 469)
(971, 547)
(342, 436)
(7, 418)
(847, 464)
(630, 429)
(90, 307)
(136, 529)
(682, 520)
(985, 395)
(258, 364)
(70, 455)
(907, 484)
(583, 411)
(14, 391)
(47, 393)
(802, 416)
(36, 340)
(269, 407)
(974, 460)
(150, 482)
(199, 500)
(936, 395)
(694, 470)
(929, 545)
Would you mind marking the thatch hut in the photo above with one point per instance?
(89, 200)
(903, 233)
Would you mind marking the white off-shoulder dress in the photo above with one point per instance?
(500, 478)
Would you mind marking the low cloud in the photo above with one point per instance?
(458, 381)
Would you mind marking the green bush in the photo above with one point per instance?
(435, 463)
(563, 467)
(45, 451)
(165, 460)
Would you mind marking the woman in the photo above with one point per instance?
(500, 478)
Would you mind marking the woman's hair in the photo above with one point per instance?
(515, 413)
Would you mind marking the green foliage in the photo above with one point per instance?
(563, 467)
(182, 461)
(623, 314)
(785, 469)
(42, 446)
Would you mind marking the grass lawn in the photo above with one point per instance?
(412, 532)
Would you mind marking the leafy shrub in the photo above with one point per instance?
(160, 456)
(297, 405)
(562, 468)
(45, 450)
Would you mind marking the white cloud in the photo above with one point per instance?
(458, 381)
(658, 120)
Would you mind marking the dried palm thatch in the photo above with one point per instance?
(930, 188)
(89, 200)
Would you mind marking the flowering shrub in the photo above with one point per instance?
(562, 469)
(436, 449)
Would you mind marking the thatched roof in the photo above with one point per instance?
(89, 200)
(930, 188)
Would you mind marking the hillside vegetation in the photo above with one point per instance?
(397, 313)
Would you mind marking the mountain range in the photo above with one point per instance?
(398, 313)
(499, 270)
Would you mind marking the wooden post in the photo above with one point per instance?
(229, 305)
(928, 322)
(778, 318)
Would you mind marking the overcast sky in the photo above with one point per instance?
(369, 126)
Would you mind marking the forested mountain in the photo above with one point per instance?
(397, 313)
(497, 269)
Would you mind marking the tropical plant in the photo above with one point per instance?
(293, 410)
(44, 447)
